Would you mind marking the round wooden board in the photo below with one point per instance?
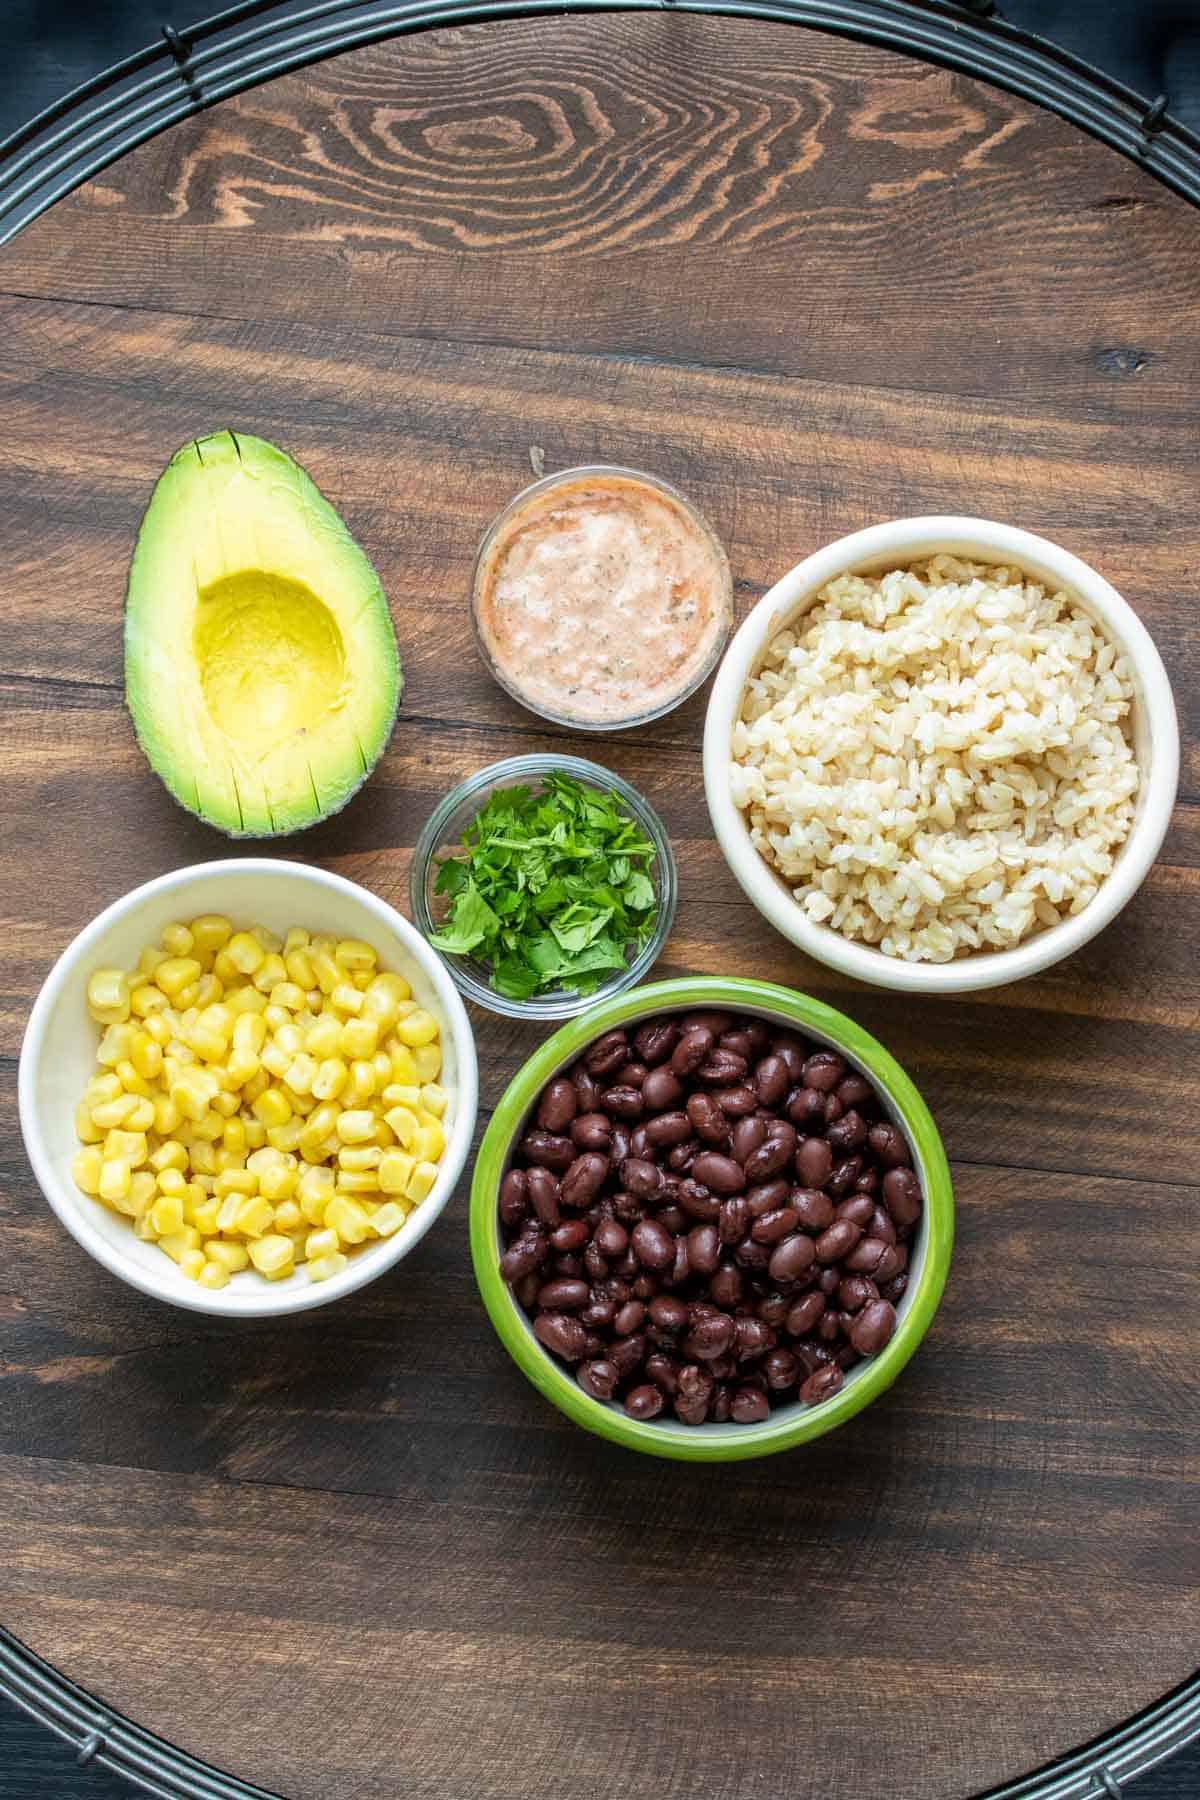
(816, 285)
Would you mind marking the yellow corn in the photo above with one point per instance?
(434, 1099)
(331, 1077)
(132, 1146)
(360, 1038)
(270, 1254)
(359, 1157)
(288, 1216)
(108, 996)
(419, 1028)
(346, 998)
(320, 1268)
(431, 1140)
(254, 1216)
(270, 972)
(167, 1116)
(421, 1182)
(395, 1171)
(404, 1124)
(237, 1181)
(147, 1003)
(178, 1243)
(166, 1215)
(175, 975)
(348, 1219)
(205, 1215)
(115, 1044)
(85, 1131)
(146, 1056)
(357, 1181)
(192, 1264)
(113, 1112)
(86, 1169)
(172, 1181)
(203, 1159)
(388, 1219)
(428, 1059)
(404, 1064)
(362, 1083)
(213, 1275)
(244, 953)
(210, 933)
(278, 1184)
(355, 1127)
(232, 1257)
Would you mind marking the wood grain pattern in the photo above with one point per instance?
(815, 285)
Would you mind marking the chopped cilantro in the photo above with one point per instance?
(552, 889)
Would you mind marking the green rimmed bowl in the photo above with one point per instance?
(930, 1251)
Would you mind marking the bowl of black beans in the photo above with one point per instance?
(711, 1219)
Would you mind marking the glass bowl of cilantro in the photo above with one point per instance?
(547, 883)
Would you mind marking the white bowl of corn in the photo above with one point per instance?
(248, 1087)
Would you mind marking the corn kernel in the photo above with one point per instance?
(388, 1219)
(404, 1124)
(166, 1215)
(237, 1181)
(205, 1215)
(210, 933)
(428, 1059)
(348, 1219)
(213, 1275)
(326, 971)
(115, 1045)
(299, 968)
(359, 1157)
(191, 1264)
(171, 1155)
(208, 1129)
(285, 1137)
(360, 1038)
(346, 998)
(395, 1171)
(131, 1081)
(85, 1131)
(272, 1253)
(254, 1216)
(243, 953)
(128, 1146)
(419, 1028)
(203, 1158)
(103, 1087)
(321, 1268)
(242, 1067)
(404, 1064)
(288, 1216)
(331, 1077)
(270, 972)
(175, 974)
(355, 1127)
(140, 1116)
(85, 1169)
(273, 1108)
(143, 1230)
(147, 1002)
(167, 1116)
(213, 1046)
(352, 954)
(112, 1113)
(357, 1181)
(177, 940)
(431, 1141)
(232, 1257)
(108, 996)
(146, 1056)
(434, 1099)
(361, 1085)
(173, 1182)
(178, 1243)
(288, 995)
(420, 1182)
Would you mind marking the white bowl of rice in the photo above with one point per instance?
(941, 754)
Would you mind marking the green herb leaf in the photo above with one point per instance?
(552, 889)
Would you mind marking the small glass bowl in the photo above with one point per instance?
(444, 831)
(572, 477)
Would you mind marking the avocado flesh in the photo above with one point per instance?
(261, 668)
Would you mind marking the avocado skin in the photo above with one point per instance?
(219, 499)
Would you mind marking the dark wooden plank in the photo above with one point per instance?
(621, 184)
(815, 286)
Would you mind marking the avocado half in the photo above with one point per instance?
(261, 668)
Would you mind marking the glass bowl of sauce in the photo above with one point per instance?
(601, 599)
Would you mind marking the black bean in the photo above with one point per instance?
(629, 1318)
(563, 1296)
(747, 1136)
(607, 1053)
(547, 1150)
(873, 1327)
(631, 1074)
(640, 1178)
(709, 1337)
(697, 1202)
(814, 1209)
(653, 1247)
(791, 1050)
(585, 1088)
(668, 1128)
(866, 1256)
(773, 1309)
(806, 1108)
(734, 1220)
(858, 1208)
(837, 1240)
(781, 1368)
(856, 1291)
(655, 1039)
(599, 1378)
(894, 1289)
(595, 1263)
(526, 1289)
(661, 1091)
(855, 1090)
(707, 1018)
(771, 1080)
(583, 1180)
(707, 1119)
(598, 1315)
(902, 1196)
(881, 1226)
(514, 1198)
(721, 1403)
(693, 1392)
(772, 1156)
(803, 1316)
(752, 1338)
(611, 1237)
(691, 1050)
(736, 1102)
(791, 1259)
(752, 1256)
(561, 1334)
(645, 1402)
(663, 1370)
(558, 1106)
(525, 1254)
(628, 1353)
(843, 1176)
(669, 1313)
(623, 1103)
(766, 1197)
(824, 1070)
(749, 1406)
(893, 1262)
(620, 1144)
(847, 1133)
(773, 1226)
(720, 1173)
(592, 1131)
(703, 1249)
(722, 1068)
(822, 1384)
(889, 1146)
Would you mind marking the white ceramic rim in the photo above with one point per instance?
(904, 540)
(285, 1297)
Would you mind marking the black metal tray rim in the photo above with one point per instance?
(91, 127)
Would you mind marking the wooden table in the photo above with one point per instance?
(815, 285)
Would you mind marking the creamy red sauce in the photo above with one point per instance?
(601, 601)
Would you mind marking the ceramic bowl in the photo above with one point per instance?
(1155, 737)
(59, 1054)
(789, 1425)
